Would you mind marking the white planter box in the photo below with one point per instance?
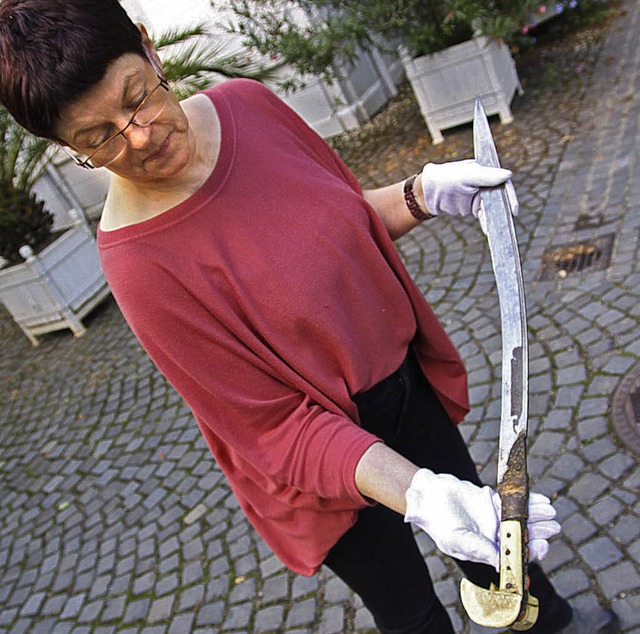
(447, 83)
(65, 187)
(357, 93)
(56, 288)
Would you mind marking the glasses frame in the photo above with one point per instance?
(86, 163)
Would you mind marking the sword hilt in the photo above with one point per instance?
(510, 605)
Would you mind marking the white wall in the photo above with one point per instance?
(162, 15)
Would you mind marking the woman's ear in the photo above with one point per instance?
(150, 48)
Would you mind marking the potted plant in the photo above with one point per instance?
(48, 281)
(448, 73)
(192, 60)
(452, 50)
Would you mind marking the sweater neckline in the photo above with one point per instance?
(207, 191)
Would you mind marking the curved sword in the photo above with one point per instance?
(510, 604)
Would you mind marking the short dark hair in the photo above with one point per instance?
(54, 51)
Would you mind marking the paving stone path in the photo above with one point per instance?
(113, 516)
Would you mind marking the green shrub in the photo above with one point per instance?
(22, 218)
(338, 29)
(312, 35)
(23, 221)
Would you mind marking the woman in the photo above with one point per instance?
(264, 284)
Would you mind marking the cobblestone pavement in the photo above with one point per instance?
(113, 516)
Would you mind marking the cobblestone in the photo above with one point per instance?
(114, 516)
(601, 553)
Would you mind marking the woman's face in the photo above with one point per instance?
(154, 152)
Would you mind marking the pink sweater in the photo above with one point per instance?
(268, 299)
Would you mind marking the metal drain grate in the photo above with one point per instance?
(577, 257)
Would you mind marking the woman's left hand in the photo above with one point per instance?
(454, 188)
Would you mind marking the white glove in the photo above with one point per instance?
(540, 524)
(464, 520)
(453, 188)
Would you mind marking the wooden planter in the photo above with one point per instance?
(447, 83)
(56, 288)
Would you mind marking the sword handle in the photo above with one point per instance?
(513, 571)
(510, 605)
(514, 495)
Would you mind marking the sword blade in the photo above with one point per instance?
(507, 269)
(511, 603)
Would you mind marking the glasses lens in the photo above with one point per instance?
(109, 151)
(151, 107)
(146, 113)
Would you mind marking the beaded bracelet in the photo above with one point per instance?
(412, 203)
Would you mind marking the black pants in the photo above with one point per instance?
(378, 557)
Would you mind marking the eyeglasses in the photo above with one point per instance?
(109, 150)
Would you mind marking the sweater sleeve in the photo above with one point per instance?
(254, 421)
